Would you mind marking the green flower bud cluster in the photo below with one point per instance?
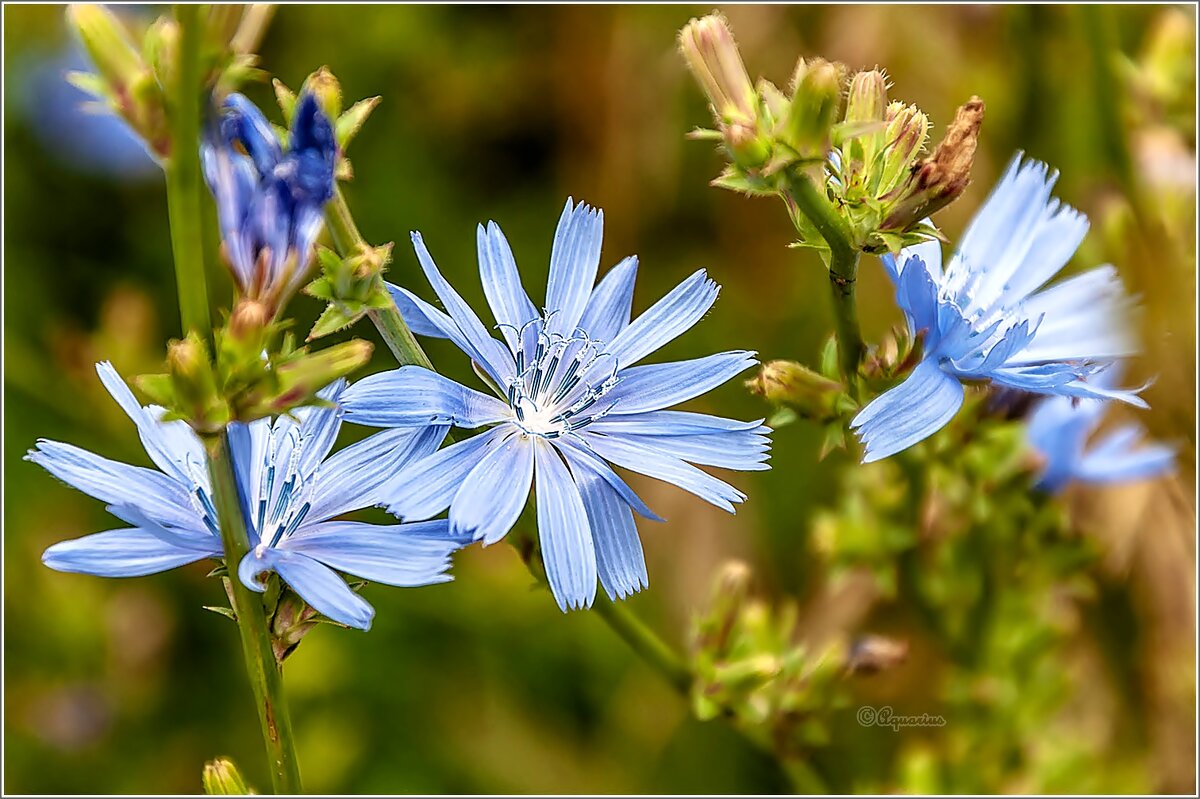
(134, 73)
(749, 667)
(352, 286)
(257, 373)
(861, 151)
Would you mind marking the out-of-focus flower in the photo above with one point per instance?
(569, 399)
(76, 130)
(1059, 429)
(984, 318)
(270, 202)
(291, 495)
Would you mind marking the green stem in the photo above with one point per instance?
(184, 187)
(646, 643)
(389, 323)
(266, 680)
(641, 639)
(843, 272)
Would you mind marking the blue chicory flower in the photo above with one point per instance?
(270, 203)
(568, 401)
(1059, 428)
(290, 494)
(984, 318)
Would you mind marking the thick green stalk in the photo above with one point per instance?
(265, 677)
(184, 187)
(843, 272)
(391, 326)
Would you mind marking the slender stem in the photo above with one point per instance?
(266, 680)
(391, 325)
(184, 189)
(646, 643)
(843, 272)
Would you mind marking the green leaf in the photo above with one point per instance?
(322, 289)
(221, 611)
(349, 123)
(829, 358)
(782, 417)
(337, 316)
(89, 83)
(286, 99)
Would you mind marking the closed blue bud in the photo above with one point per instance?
(270, 202)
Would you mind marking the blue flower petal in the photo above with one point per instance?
(743, 451)
(664, 467)
(246, 125)
(619, 558)
(494, 492)
(357, 476)
(1117, 458)
(427, 487)
(502, 284)
(582, 459)
(425, 320)
(668, 318)
(404, 555)
(574, 261)
(609, 309)
(566, 541)
(317, 584)
(1088, 316)
(659, 385)
(908, 413)
(119, 553)
(160, 497)
(485, 350)
(171, 445)
(414, 395)
(674, 423)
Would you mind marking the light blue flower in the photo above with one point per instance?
(1059, 429)
(568, 401)
(290, 492)
(270, 203)
(987, 318)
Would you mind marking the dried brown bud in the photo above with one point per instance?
(938, 180)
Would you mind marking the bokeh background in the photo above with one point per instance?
(482, 685)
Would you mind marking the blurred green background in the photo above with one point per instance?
(495, 112)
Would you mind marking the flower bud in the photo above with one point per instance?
(161, 49)
(222, 778)
(713, 57)
(816, 100)
(906, 132)
(328, 91)
(304, 376)
(938, 180)
(867, 99)
(248, 319)
(790, 383)
(107, 44)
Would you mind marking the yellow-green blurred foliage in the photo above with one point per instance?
(482, 685)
